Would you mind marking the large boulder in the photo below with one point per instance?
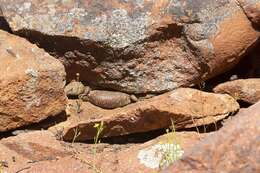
(186, 107)
(234, 148)
(31, 83)
(136, 46)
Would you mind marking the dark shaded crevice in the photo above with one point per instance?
(5, 134)
(143, 137)
(132, 138)
(205, 128)
(248, 67)
(58, 45)
(48, 122)
(71, 51)
(4, 24)
(254, 25)
(243, 104)
(42, 125)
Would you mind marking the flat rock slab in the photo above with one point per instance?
(234, 148)
(247, 90)
(31, 83)
(137, 46)
(40, 152)
(143, 158)
(186, 107)
(37, 152)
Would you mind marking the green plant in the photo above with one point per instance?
(99, 128)
(1, 168)
(78, 106)
(77, 133)
(170, 151)
(2, 165)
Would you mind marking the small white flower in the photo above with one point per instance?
(160, 155)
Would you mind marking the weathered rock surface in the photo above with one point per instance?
(74, 88)
(252, 9)
(31, 83)
(40, 152)
(137, 46)
(187, 107)
(234, 148)
(247, 90)
(145, 157)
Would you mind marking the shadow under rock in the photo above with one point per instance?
(147, 136)
(42, 125)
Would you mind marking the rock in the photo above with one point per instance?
(137, 46)
(17, 132)
(247, 90)
(40, 152)
(133, 98)
(187, 107)
(74, 88)
(252, 9)
(234, 148)
(142, 157)
(108, 99)
(31, 83)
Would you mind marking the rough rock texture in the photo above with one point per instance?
(234, 148)
(251, 9)
(31, 83)
(143, 158)
(136, 46)
(74, 88)
(187, 107)
(40, 152)
(247, 90)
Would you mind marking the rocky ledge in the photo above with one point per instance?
(117, 86)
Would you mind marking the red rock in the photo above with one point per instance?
(31, 83)
(40, 152)
(234, 148)
(187, 107)
(252, 9)
(137, 46)
(247, 90)
(134, 158)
